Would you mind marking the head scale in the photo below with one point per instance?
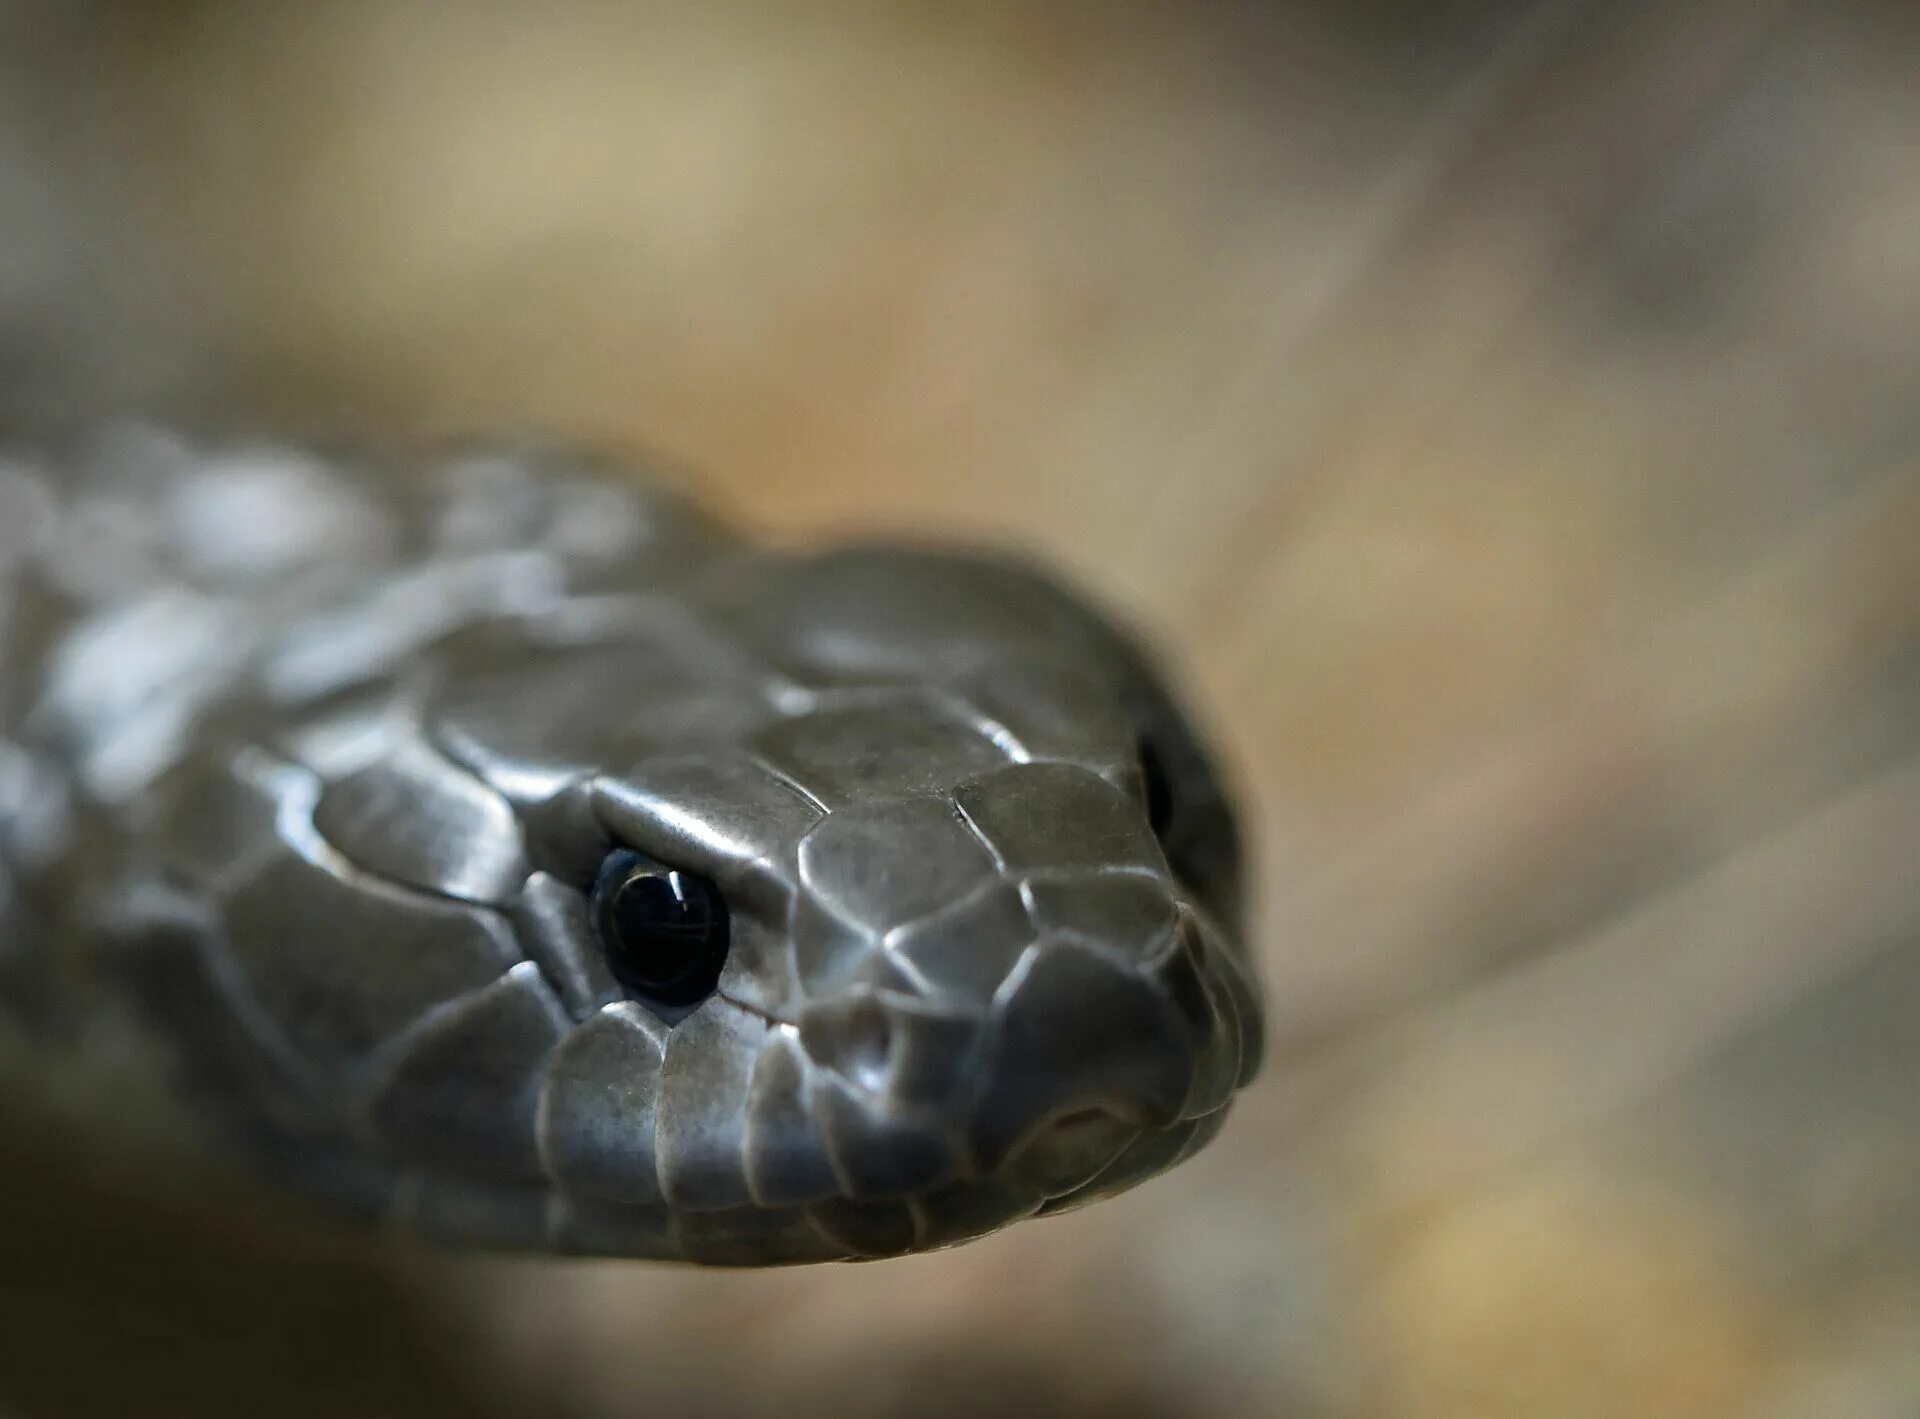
(954, 889)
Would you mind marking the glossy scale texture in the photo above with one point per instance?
(308, 768)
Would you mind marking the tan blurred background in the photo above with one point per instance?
(1504, 412)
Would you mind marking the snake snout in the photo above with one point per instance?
(1084, 1040)
(1086, 1050)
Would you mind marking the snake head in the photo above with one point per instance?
(981, 887)
(815, 907)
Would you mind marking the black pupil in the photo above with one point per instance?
(664, 931)
(1159, 790)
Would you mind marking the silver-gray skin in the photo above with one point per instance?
(307, 767)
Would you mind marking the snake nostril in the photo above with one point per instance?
(869, 1049)
(1071, 1149)
(1082, 1030)
(856, 1042)
(1157, 787)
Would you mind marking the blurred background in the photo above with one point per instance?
(1502, 411)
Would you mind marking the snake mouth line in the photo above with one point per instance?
(761, 1013)
(834, 1229)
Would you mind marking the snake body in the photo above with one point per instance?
(308, 766)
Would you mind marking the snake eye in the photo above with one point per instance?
(1189, 817)
(1159, 789)
(664, 931)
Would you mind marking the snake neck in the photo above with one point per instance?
(164, 604)
(158, 597)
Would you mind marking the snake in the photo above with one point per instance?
(481, 840)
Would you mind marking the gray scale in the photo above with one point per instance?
(307, 767)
